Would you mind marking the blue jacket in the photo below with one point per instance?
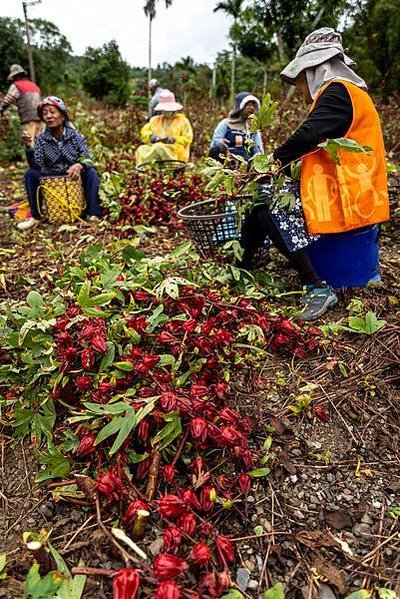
(54, 157)
(237, 140)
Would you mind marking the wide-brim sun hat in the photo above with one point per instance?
(15, 69)
(53, 101)
(167, 102)
(319, 46)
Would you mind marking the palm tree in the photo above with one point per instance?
(233, 8)
(150, 11)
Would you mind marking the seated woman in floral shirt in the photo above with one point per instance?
(59, 150)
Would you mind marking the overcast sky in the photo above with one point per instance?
(187, 28)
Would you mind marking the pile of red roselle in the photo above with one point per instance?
(155, 199)
(188, 458)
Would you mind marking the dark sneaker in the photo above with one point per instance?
(316, 303)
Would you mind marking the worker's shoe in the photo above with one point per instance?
(28, 223)
(316, 302)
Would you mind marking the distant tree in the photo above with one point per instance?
(233, 8)
(51, 51)
(12, 47)
(105, 75)
(373, 39)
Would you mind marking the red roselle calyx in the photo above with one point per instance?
(167, 567)
(132, 511)
(87, 359)
(225, 550)
(86, 445)
(172, 537)
(198, 429)
(187, 523)
(167, 590)
(320, 413)
(126, 584)
(171, 506)
(111, 485)
(169, 473)
(201, 554)
(244, 483)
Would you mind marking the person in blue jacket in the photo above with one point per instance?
(232, 135)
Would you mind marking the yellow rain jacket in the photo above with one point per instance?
(178, 127)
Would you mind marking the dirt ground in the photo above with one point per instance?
(324, 522)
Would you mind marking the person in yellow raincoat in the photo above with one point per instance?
(168, 135)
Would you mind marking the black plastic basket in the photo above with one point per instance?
(162, 166)
(210, 227)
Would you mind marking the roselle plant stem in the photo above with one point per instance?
(180, 448)
(152, 479)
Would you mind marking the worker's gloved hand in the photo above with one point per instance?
(222, 145)
(154, 138)
(170, 140)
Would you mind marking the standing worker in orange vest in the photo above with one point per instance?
(24, 94)
(331, 198)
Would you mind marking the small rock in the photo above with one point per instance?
(361, 529)
(252, 585)
(377, 504)
(325, 592)
(298, 514)
(156, 546)
(366, 519)
(249, 565)
(330, 478)
(293, 478)
(296, 452)
(250, 499)
(242, 578)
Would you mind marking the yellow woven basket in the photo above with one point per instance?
(63, 199)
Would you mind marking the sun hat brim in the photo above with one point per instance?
(14, 73)
(168, 106)
(310, 60)
(247, 99)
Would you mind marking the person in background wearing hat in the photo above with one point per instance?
(156, 91)
(24, 94)
(233, 133)
(331, 198)
(59, 150)
(166, 136)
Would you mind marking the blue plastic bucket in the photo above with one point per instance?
(347, 259)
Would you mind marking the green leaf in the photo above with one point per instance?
(34, 299)
(101, 299)
(170, 432)
(41, 588)
(94, 312)
(182, 249)
(259, 472)
(258, 530)
(126, 366)
(332, 147)
(108, 358)
(360, 595)
(57, 465)
(128, 424)
(111, 428)
(275, 592)
(166, 360)
(261, 163)
(233, 594)
(3, 560)
(83, 295)
(387, 594)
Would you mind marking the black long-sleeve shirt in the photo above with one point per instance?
(330, 118)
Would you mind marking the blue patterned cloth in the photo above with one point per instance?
(54, 157)
(289, 221)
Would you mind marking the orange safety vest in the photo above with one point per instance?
(353, 194)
